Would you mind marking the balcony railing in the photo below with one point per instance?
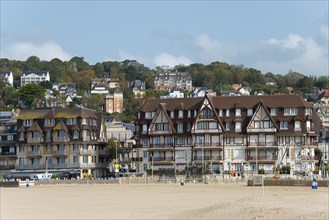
(87, 165)
(207, 145)
(58, 166)
(7, 154)
(271, 157)
(61, 139)
(33, 153)
(262, 143)
(7, 167)
(306, 157)
(30, 166)
(165, 159)
(207, 158)
(161, 145)
(84, 151)
(137, 159)
(206, 116)
(60, 153)
(34, 140)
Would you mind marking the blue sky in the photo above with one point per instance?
(272, 36)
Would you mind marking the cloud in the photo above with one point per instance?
(124, 55)
(45, 50)
(301, 54)
(166, 59)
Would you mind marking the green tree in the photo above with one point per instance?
(29, 92)
(113, 149)
(46, 84)
(9, 97)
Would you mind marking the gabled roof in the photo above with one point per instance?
(162, 109)
(39, 73)
(35, 127)
(60, 127)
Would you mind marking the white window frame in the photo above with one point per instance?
(250, 112)
(237, 112)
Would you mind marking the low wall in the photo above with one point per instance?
(9, 184)
(321, 183)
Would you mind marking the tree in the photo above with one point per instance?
(46, 84)
(113, 149)
(9, 96)
(29, 92)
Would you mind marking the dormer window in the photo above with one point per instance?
(148, 115)
(189, 113)
(249, 112)
(273, 111)
(172, 114)
(290, 111)
(220, 113)
(180, 114)
(308, 111)
(237, 112)
(227, 112)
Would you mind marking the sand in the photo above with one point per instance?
(163, 201)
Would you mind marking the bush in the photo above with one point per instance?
(261, 171)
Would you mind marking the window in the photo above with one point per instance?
(273, 111)
(21, 161)
(180, 114)
(21, 136)
(227, 126)
(227, 112)
(145, 154)
(237, 112)
(213, 125)
(168, 140)
(156, 140)
(75, 147)
(85, 159)
(290, 111)
(297, 126)
(75, 159)
(61, 160)
(220, 113)
(35, 135)
(237, 126)
(180, 140)
(283, 125)
(21, 148)
(249, 112)
(60, 134)
(189, 113)
(49, 148)
(148, 115)
(202, 125)
(84, 121)
(144, 128)
(27, 123)
(188, 127)
(257, 124)
(179, 127)
(308, 111)
(266, 124)
(75, 134)
(172, 114)
(144, 141)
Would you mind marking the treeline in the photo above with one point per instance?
(213, 76)
(216, 75)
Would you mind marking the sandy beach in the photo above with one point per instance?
(163, 201)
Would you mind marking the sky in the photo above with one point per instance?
(271, 36)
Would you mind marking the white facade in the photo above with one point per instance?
(34, 77)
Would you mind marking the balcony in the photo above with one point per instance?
(86, 138)
(162, 146)
(208, 158)
(126, 160)
(84, 151)
(262, 158)
(31, 140)
(137, 159)
(103, 153)
(307, 158)
(61, 139)
(87, 165)
(30, 166)
(208, 145)
(263, 144)
(162, 159)
(33, 154)
(59, 153)
(7, 167)
(206, 116)
(57, 166)
(8, 155)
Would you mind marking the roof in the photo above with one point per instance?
(40, 73)
(56, 113)
(230, 102)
